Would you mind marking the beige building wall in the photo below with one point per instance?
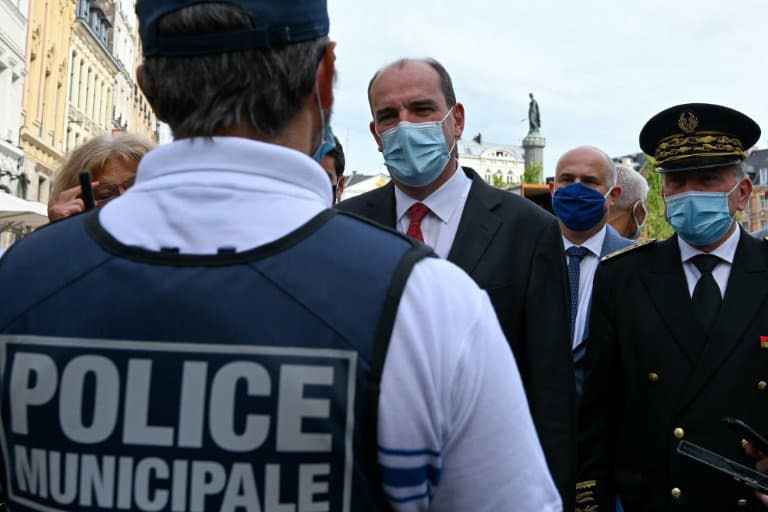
(44, 104)
(92, 78)
(756, 214)
(125, 46)
(142, 118)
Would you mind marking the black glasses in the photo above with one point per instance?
(105, 192)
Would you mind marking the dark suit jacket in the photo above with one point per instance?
(644, 381)
(613, 242)
(513, 249)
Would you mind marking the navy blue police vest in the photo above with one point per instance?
(138, 380)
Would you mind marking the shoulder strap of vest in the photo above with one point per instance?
(383, 337)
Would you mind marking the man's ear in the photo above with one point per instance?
(744, 192)
(458, 118)
(150, 100)
(614, 195)
(326, 73)
(376, 137)
(551, 186)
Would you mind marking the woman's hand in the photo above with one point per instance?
(68, 203)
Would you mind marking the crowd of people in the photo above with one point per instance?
(219, 334)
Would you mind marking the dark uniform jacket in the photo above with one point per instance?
(513, 249)
(613, 242)
(646, 388)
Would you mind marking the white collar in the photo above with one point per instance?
(442, 202)
(204, 159)
(594, 243)
(726, 251)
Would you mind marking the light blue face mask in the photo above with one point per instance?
(326, 145)
(416, 153)
(328, 141)
(700, 218)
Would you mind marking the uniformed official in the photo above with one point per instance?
(217, 338)
(679, 330)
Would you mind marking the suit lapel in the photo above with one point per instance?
(668, 289)
(380, 206)
(477, 227)
(613, 242)
(744, 295)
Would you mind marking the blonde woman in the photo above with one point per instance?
(112, 161)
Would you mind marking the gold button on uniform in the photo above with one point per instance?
(762, 385)
(742, 502)
(679, 433)
(653, 378)
(676, 493)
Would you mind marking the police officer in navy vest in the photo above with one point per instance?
(218, 339)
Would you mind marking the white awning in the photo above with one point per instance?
(17, 213)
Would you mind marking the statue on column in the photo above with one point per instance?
(534, 116)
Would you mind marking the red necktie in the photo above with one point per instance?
(418, 211)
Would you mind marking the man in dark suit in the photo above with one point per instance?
(511, 247)
(679, 331)
(584, 192)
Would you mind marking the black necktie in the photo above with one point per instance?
(706, 295)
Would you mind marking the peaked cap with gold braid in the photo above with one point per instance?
(698, 136)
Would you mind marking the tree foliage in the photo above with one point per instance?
(533, 174)
(656, 225)
(498, 181)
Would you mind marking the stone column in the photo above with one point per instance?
(533, 145)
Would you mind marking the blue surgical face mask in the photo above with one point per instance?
(700, 218)
(328, 141)
(579, 207)
(326, 145)
(416, 153)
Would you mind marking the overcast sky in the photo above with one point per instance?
(599, 69)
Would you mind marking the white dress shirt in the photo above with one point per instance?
(446, 206)
(722, 270)
(451, 395)
(587, 270)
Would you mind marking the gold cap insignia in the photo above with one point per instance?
(688, 122)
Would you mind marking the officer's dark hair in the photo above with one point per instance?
(206, 95)
(337, 153)
(446, 84)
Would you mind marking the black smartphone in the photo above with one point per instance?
(748, 433)
(739, 472)
(87, 190)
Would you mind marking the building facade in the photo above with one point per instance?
(131, 110)
(755, 215)
(92, 74)
(499, 163)
(45, 93)
(13, 43)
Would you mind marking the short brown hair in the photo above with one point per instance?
(446, 84)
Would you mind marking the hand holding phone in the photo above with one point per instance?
(758, 441)
(87, 190)
(747, 476)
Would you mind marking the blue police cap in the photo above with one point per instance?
(276, 23)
